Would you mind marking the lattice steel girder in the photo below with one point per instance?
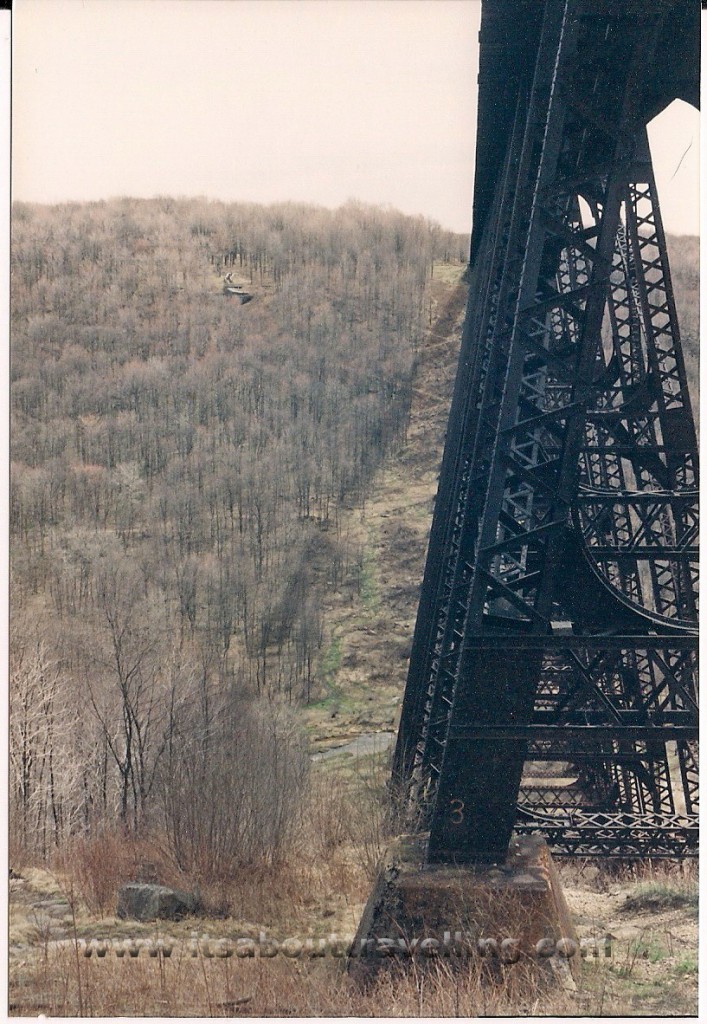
(568, 485)
(669, 726)
(625, 835)
(585, 713)
(505, 584)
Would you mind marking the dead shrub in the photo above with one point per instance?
(328, 811)
(19, 857)
(95, 867)
(232, 790)
(351, 809)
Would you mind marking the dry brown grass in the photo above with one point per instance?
(318, 890)
(182, 985)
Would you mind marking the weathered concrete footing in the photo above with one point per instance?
(503, 914)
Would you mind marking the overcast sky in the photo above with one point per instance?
(268, 100)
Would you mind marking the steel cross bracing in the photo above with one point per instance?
(552, 683)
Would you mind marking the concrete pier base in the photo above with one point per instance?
(509, 913)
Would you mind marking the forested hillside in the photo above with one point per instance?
(179, 462)
(205, 565)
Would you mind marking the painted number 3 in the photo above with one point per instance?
(457, 812)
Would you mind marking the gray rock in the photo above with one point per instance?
(144, 902)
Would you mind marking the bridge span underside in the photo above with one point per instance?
(552, 683)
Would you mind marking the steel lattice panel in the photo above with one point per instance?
(557, 621)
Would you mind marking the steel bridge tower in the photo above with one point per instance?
(552, 683)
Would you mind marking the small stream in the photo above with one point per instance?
(366, 743)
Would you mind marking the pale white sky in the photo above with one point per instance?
(267, 100)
